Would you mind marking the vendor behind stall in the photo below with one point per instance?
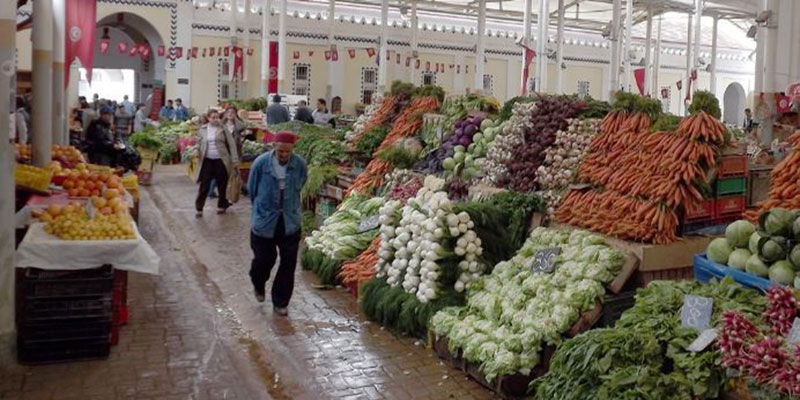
(100, 140)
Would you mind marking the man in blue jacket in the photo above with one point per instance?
(275, 181)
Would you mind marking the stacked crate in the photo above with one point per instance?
(64, 315)
(119, 304)
(728, 203)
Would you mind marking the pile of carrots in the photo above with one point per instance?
(784, 190)
(406, 125)
(648, 174)
(381, 116)
(362, 268)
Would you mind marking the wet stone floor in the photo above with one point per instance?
(196, 332)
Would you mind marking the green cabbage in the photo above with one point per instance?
(794, 256)
(739, 232)
(782, 272)
(753, 246)
(772, 249)
(777, 221)
(719, 250)
(738, 259)
(755, 266)
(796, 229)
(797, 281)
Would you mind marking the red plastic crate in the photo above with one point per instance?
(730, 206)
(119, 298)
(698, 211)
(732, 166)
(114, 339)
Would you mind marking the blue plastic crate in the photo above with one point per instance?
(705, 269)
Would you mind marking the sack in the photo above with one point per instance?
(234, 189)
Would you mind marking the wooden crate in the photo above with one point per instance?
(642, 278)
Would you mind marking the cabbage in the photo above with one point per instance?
(777, 221)
(719, 250)
(781, 272)
(459, 149)
(796, 229)
(797, 281)
(772, 249)
(738, 259)
(459, 157)
(753, 245)
(739, 232)
(486, 124)
(755, 266)
(794, 256)
(449, 163)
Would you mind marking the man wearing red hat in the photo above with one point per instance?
(276, 179)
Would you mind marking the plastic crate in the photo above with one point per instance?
(63, 330)
(615, 305)
(51, 352)
(698, 211)
(729, 207)
(55, 309)
(119, 298)
(731, 166)
(145, 177)
(705, 270)
(672, 274)
(730, 186)
(60, 284)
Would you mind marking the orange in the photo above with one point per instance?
(96, 192)
(90, 185)
(68, 184)
(83, 193)
(73, 192)
(111, 193)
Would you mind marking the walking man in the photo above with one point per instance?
(276, 178)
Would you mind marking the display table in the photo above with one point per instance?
(44, 251)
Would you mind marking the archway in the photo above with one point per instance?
(733, 103)
(132, 29)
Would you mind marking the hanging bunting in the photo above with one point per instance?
(408, 62)
(219, 51)
(227, 51)
(664, 93)
(679, 84)
(144, 51)
(370, 52)
(397, 58)
(334, 55)
(80, 27)
(122, 47)
(639, 75)
(133, 51)
(194, 52)
(417, 63)
(204, 52)
(351, 53)
(327, 55)
(250, 51)
(311, 53)
(178, 52)
(212, 52)
(104, 45)
(162, 50)
(296, 55)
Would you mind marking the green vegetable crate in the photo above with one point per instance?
(730, 186)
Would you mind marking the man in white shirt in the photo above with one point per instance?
(128, 105)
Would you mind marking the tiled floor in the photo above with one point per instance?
(197, 333)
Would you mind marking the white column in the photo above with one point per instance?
(382, 70)
(647, 52)
(526, 40)
(42, 68)
(698, 21)
(233, 40)
(8, 35)
(771, 51)
(560, 49)
(657, 59)
(332, 66)
(415, 41)
(282, 46)
(244, 42)
(265, 39)
(480, 52)
(626, 56)
(541, 53)
(713, 86)
(613, 69)
(761, 42)
(59, 127)
(684, 106)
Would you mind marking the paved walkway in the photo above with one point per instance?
(196, 332)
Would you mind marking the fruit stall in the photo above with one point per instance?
(77, 240)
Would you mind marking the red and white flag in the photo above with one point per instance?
(134, 50)
(178, 52)
(664, 93)
(227, 51)
(296, 55)
(212, 52)
(162, 50)
(408, 62)
(144, 51)
(238, 62)
(327, 55)
(311, 53)
(204, 52)
(397, 58)
(250, 51)
(334, 55)
(80, 28)
(370, 52)
(351, 53)
(122, 47)
(104, 45)
(194, 52)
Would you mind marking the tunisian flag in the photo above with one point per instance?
(529, 55)
(80, 27)
(639, 75)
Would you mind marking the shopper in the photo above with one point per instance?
(303, 113)
(234, 126)
(123, 121)
(22, 120)
(181, 113)
(167, 111)
(748, 123)
(217, 157)
(129, 106)
(274, 186)
(276, 113)
(100, 140)
(321, 114)
(139, 119)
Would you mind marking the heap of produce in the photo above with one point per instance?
(146, 139)
(339, 239)
(453, 149)
(641, 178)
(513, 313)
(761, 350)
(645, 355)
(32, 178)
(72, 222)
(169, 133)
(379, 113)
(67, 156)
(252, 149)
(784, 189)
(770, 251)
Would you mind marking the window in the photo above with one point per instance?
(583, 89)
(666, 98)
(226, 69)
(301, 79)
(428, 78)
(488, 85)
(369, 84)
(225, 91)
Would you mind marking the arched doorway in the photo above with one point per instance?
(733, 103)
(131, 29)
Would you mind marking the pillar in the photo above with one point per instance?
(382, 63)
(761, 41)
(8, 35)
(541, 40)
(282, 46)
(415, 41)
(714, 32)
(480, 53)
(689, 64)
(265, 39)
(332, 66)
(42, 69)
(59, 127)
(560, 49)
(698, 21)
(526, 41)
(657, 59)
(613, 69)
(647, 52)
(770, 60)
(628, 39)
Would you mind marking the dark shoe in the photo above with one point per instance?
(259, 296)
(282, 311)
(198, 214)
